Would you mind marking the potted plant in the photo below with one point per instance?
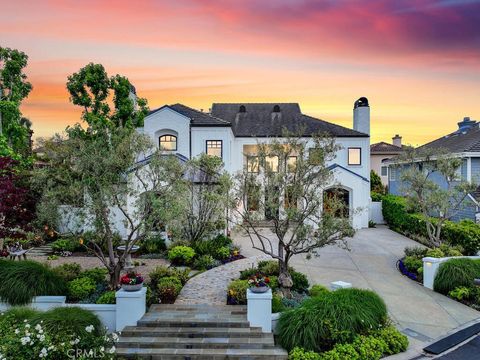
(131, 281)
(259, 283)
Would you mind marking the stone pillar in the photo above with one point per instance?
(131, 306)
(259, 310)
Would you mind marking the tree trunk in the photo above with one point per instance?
(285, 281)
(115, 277)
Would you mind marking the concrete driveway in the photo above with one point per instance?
(419, 312)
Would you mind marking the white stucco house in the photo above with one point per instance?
(233, 130)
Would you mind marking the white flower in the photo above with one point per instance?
(25, 320)
(27, 326)
(43, 353)
(25, 340)
(112, 350)
(89, 328)
(114, 337)
(17, 331)
(38, 327)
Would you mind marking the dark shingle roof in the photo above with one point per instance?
(260, 120)
(385, 148)
(467, 140)
(198, 118)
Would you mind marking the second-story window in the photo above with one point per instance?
(271, 163)
(291, 164)
(214, 148)
(168, 143)
(354, 156)
(252, 164)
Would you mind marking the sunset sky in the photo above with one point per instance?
(417, 61)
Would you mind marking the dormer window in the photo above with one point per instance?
(167, 143)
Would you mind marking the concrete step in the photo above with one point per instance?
(205, 323)
(203, 354)
(196, 343)
(195, 332)
(201, 308)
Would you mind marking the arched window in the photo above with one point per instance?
(242, 109)
(168, 143)
(337, 201)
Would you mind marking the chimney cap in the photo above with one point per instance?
(361, 102)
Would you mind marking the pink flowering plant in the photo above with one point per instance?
(131, 278)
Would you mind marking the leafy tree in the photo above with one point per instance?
(14, 87)
(303, 220)
(376, 183)
(17, 201)
(205, 199)
(96, 170)
(433, 185)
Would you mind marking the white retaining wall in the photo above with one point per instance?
(130, 308)
(431, 266)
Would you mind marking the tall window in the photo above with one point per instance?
(384, 170)
(168, 143)
(354, 156)
(214, 148)
(291, 164)
(252, 164)
(272, 163)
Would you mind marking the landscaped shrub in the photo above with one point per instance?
(334, 317)
(56, 334)
(237, 292)
(181, 255)
(21, 281)
(298, 353)
(204, 262)
(69, 320)
(69, 271)
(81, 288)
(222, 253)
(318, 290)
(63, 245)
(107, 298)
(15, 315)
(168, 289)
(96, 274)
(455, 273)
(162, 271)
(277, 304)
(464, 233)
(412, 263)
(300, 281)
(153, 244)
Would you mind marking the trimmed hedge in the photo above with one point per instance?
(464, 233)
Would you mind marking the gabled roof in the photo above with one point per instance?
(385, 148)
(464, 140)
(197, 118)
(334, 166)
(269, 119)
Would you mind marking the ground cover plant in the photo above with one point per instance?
(165, 284)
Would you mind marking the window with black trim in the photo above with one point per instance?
(354, 156)
(214, 148)
(168, 143)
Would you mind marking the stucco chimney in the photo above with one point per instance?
(397, 140)
(361, 116)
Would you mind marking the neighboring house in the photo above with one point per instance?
(233, 131)
(381, 152)
(463, 143)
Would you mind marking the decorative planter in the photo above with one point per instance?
(130, 288)
(259, 289)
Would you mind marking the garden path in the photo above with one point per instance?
(210, 287)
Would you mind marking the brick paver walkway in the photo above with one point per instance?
(210, 287)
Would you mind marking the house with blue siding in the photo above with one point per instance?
(463, 143)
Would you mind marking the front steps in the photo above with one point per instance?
(191, 332)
